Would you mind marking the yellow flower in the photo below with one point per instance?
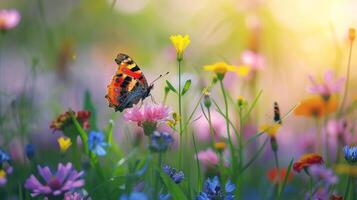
(220, 68)
(180, 43)
(220, 146)
(64, 143)
(270, 129)
(2, 174)
(243, 71)
(346, 169)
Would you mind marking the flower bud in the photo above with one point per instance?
(220, 146)
(273, 144)
(30, 151)
(207, 99)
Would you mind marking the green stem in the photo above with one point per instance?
(318, 132)
(159, 163)
(241, 159)
(180, 111)
(199, 180)
(311, 184)
(210, 127)
(276, 161)
(227, 127)
(327, 145)
(75, 152)
(347, 187)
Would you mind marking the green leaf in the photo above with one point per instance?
(171, 87)
(172, 187)
(281, 188)
(186, 87)
(89, 106)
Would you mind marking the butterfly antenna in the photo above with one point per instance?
(161, 75)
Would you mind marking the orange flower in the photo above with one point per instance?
(316, 107)
(273, 173)
(307, 160)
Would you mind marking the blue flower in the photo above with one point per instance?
(30, 151)
(212, 190)
(160, 141)
(350, 153)
(164, 197)
(176, 176)
(134, 196)
(4, 157)
(96, 143)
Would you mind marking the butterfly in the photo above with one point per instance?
(128, 86)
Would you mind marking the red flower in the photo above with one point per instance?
(64, 120)
(273, 173)
(307, 160)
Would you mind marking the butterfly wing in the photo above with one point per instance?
(127, 86)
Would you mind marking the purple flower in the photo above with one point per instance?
(320, 194)
(323, 174)
(66, 178)
(340, 130)
(328, 86)
(9, 19)
(176, 176)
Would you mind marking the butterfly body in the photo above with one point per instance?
(128, 86)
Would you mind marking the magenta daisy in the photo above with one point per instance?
(66, 178)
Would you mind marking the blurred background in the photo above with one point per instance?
(60, 49)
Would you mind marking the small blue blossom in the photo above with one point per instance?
(350, 153)
(164, 197)
(4, 157)
(212, 190)
(176, 176)
(30, 151)
(96, 143)
(160, 141)
(134, 196)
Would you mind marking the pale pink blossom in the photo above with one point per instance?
(9, 19)
(202, 129)
(328, 86)
(148, 113)
(208, 157)
(253, 60)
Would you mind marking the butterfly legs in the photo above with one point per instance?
(153, 99)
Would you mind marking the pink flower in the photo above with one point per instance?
(148, 113)
(339, 129)
(9, 19)
(202, 129)
(207, 158)
(253, 60)
(328, 86)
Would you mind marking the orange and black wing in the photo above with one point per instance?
(127, 77)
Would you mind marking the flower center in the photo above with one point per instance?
(55, 183)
